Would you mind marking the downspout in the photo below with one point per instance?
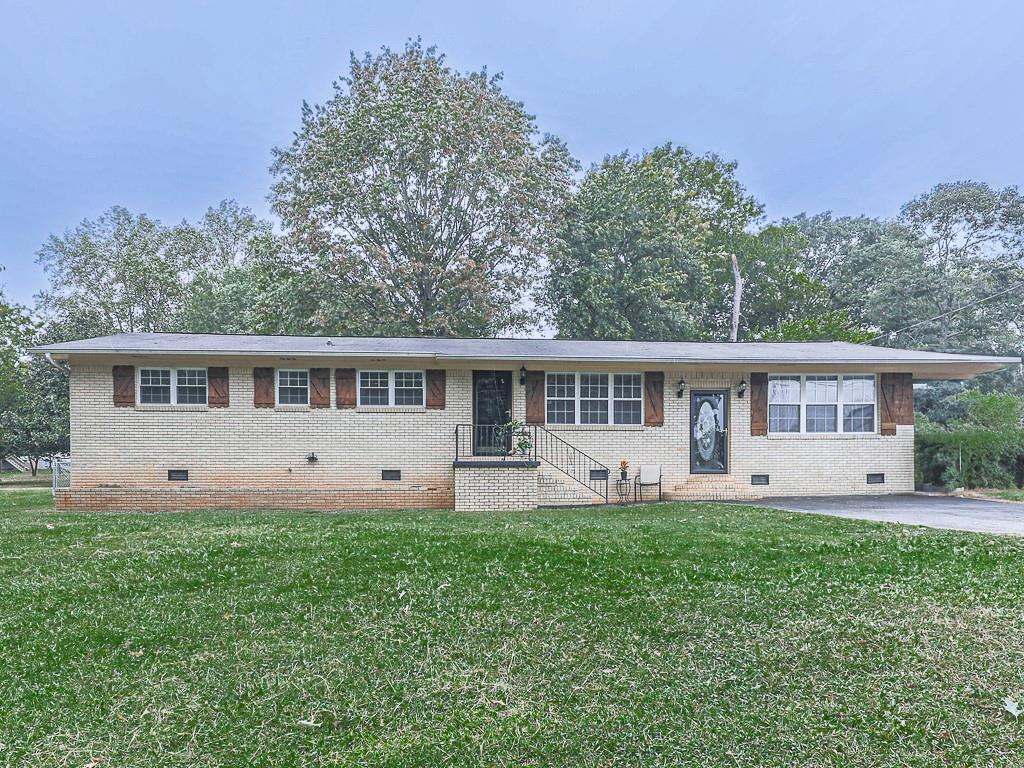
(55, 364)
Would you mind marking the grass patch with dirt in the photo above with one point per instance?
(675, 634)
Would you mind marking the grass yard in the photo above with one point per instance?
(673, 634)
(1009, 494)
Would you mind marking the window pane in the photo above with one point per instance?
(627, 386)
(783, 418)
(858, 389)
(373, 388)
(821, 418)
(408, 388)
(561, 411)
(594, 386)
(191, 386)
(858, 418)
(293, 387)
(823, 389)
(561, 385)
(784, 389)
(155, 386)
(627, 411)
(594, 411)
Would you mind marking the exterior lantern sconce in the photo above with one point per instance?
(312, 458)
(742, 389)
(522, 376)
(681, 388)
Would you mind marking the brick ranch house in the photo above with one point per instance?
(180, 421)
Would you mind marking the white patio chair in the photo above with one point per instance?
(650, 475)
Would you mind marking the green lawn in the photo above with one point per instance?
(642, 636)
(1011, 494)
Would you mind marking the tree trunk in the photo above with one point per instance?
(737, 297)
(33, 465)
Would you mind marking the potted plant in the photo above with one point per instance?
(624, 469)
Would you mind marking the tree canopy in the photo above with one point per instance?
(422, 199)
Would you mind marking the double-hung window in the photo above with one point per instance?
(190, 386)
(821, 404)
(561, 389)
(292, 387)
(594, 398)
(783, 403)
(858, 403)
(628, 398)
(172, 386)
(385, 388)
(822, 397)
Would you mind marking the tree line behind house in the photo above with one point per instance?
(422, 201)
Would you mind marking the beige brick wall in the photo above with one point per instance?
(126, 452)
(495, 489)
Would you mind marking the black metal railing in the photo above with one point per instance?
(491, 442)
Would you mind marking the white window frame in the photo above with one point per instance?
(840, 402)
(610, 375)
(277, 387)
(174, 385)
(799, 402)
(391, 388)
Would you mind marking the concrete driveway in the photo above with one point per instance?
(915, 509)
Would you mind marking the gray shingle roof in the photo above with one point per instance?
(518, 349)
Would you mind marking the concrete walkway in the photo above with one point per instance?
(915, 509)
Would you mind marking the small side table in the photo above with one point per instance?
(623, 488)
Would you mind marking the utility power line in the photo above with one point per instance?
(947, 314)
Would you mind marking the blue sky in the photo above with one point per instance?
(168, 108)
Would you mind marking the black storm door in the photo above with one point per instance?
(709, 432)
(492, 410)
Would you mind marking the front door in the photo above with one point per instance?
(709, 432)
(492, 410)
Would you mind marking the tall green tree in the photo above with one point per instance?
(650, 249)
(126, 272)
(17, 330)
(36, 423)
(420, 198)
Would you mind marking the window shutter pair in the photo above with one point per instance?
(895, 402)
(263, 384)
(217, 388)
(654, 398)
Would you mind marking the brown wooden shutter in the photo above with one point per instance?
(436, 389)
(217, 388)
(263, 387)
(319, 387)
(758, 404)
(124, 386)
(896, 401)
(654, 398)
(345, 387)
(535, 397)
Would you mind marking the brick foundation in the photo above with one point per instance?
(510, 487)
(184, 499)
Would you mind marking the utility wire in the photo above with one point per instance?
(947, 314)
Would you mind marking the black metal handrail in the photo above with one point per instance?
(491, 442)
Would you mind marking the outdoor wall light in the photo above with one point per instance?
(681, 388)
(742, 388)
(312, 458)
(522, 376)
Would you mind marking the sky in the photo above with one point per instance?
(168, 108)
